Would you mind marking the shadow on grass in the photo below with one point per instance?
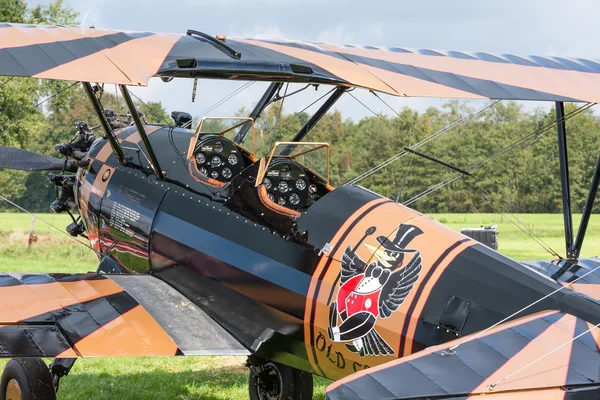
(210, 384)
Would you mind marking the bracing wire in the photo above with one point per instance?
(49, 224)
(160, 117)
(35, 106)
(483, 332)
(525, 139)
(493, 385)
(272, 133)
(289, 119)
(524, 228)
(431, 137)
(6, 81)
(228, 97)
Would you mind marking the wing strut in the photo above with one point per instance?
(587, 210)
(564, 176)
(263, 102)
(339, 91)
(116, 147)
(140, 127)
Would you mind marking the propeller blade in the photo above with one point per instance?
(12, 158)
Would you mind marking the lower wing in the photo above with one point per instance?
(549, 355)
(92, 315)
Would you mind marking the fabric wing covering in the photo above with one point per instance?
(566, 371)
(92, 315)
(132, 58)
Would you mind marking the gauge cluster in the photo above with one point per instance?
(218, 158)
(290, 185)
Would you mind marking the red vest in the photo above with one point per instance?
(353, 302)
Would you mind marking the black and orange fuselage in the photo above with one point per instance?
(273, 290)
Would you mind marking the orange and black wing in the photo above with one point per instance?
(132, 58)
(500, 364)
(91, 315)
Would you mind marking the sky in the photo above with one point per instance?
(522, 27)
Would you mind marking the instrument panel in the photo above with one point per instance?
(291, 185)
(218, 158)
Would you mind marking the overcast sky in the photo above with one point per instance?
(526, 27)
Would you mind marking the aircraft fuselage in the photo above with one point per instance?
(356, 280)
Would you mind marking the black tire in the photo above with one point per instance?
(31, 375)
(287, 383)
(304, 384)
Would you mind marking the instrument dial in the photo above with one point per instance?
(281, 201)
(203, 171)
(214, 174)
(271, 197)
(294, 199)
(215, 162)
(285, 171)
(200, 158)
(226, 173)
(300, 184)
(283, 187)
(312, 188)
(218, 147)
(232, 159)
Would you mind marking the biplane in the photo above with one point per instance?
(207, 248)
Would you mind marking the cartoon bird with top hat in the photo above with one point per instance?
(369, 292)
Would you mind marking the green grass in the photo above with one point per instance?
(213, 377)
(516, 244)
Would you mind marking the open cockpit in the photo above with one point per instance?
(287, 179)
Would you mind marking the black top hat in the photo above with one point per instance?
(404, 235)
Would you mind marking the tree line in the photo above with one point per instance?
(37, 114)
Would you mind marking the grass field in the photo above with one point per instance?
(214, 377)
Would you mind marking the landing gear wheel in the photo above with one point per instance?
(274, 381)
(26, 379)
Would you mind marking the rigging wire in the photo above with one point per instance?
(527, 138)
(493, 385)
(160, 117)
(287, 120)
(483, 332)
(272, 134)
(6, 81)
(228, 97)
(278, 97)
(426, 140)
(524, 228)
(412, 156)
(53, 96)
(49, 224)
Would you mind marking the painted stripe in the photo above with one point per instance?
(550, 372)
(313, 294)
(34, 59)
(22, 302)
(421, 294)
(132, 333)
(478, 87)
(488, 338)
(232, 253)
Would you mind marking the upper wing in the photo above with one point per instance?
(91, 315)
(398, 286)
(110, 56)
(352, 265)
(548, 355)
